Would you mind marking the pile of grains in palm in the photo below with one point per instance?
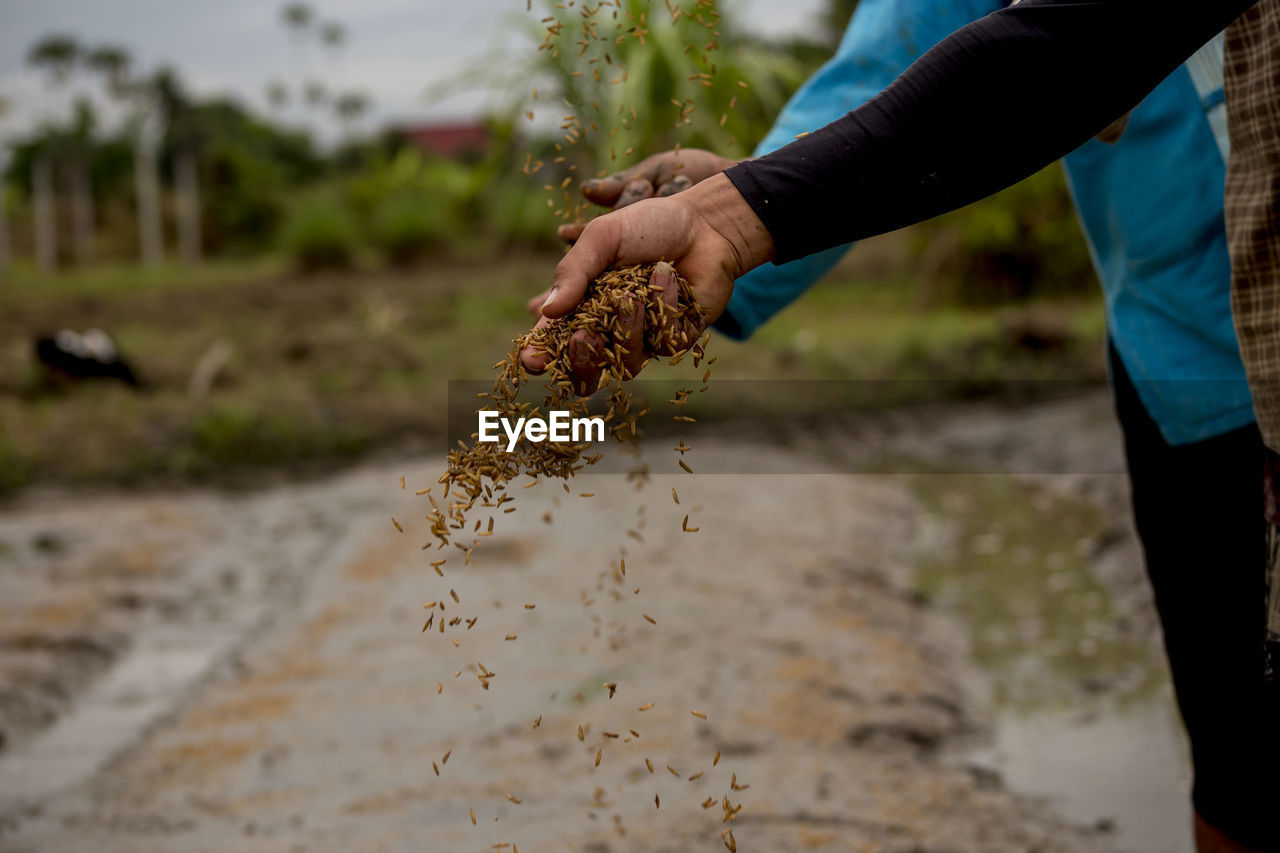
(480, 471)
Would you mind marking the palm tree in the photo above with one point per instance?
(298, 17)
(278, 95)
(84, 120)
(349, 107)
(56, 56)
(113, 64)
(174, 109)
(4, 198)
(333, 35)
(315, 94)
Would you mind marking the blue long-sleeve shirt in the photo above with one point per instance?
(1151, 208)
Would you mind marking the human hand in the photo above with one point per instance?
(709, 234)
(657, 176)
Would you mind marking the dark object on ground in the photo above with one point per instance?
(93, 354)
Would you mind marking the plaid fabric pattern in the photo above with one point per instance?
(1252, 205)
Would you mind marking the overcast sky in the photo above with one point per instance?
(394, 50)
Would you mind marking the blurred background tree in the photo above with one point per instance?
(4, 196)
(232, 183)
(425, 238)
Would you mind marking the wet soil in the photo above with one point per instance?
(248, 671)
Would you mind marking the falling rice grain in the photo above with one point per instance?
(698, 714)
(650, 619)
(599, 753)
(397, 524)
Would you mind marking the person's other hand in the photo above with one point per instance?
(708, 233)
(653, 177)
(658, 176)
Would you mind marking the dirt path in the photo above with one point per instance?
(259, 680)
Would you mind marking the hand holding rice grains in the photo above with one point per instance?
(626, 316)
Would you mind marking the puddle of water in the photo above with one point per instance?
(1126, 765)
(1083, 710)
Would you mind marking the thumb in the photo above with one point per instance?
(595, 250)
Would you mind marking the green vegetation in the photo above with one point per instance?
(320, 235)
(325, 297)
(325, 367)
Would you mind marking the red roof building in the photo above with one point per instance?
(449, 140)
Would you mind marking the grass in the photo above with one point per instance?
(325, 368)
(115, 279)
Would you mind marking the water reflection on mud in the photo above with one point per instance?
(1083, 707)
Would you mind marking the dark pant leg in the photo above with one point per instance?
(1198, 510)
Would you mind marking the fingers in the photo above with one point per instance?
(677, 184)
(585, 350)
(634, 191)
(571, 232)
(535, 360)
(663, 277)
(595, 250)
(607, 190)
(631, 329)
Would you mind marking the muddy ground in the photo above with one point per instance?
(208, 670)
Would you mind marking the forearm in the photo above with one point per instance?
(988, 106)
